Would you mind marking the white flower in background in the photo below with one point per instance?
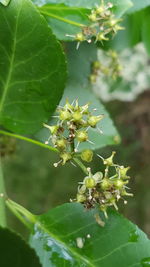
(134, 79)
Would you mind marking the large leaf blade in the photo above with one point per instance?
(32, 68)
(15, 252)
(118, 243)
(138, 5)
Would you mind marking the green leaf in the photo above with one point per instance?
(68, 17)
(32, 68)
(5, 2)
(15, 252)
(131, 35)
(145, 30)
(85, 3)
(57, 234)
(65, 20)
(78, 87)
(2, 202)
(138, 5)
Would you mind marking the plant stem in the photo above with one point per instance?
(2, 201)
(61, 18)
(26, 217)
(29, 140)
(81, 165)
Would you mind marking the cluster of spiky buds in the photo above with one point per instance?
(112, 68)
(102, 189)
(71, 129)
(102, 23)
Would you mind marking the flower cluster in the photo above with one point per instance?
(102, 23)
(112, 67)
(71, 129)
(104, 190)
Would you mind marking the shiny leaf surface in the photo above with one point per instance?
(5, 2)
(138, 5)
(70, 236)
(15, 252)
(145, 29)
(32, 68)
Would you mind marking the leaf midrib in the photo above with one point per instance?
(10, 69)
(76, 254)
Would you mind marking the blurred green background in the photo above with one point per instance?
(32, 181)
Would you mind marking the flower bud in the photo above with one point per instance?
(93, 120)
(82, 136)
(87, 155)
(81, 198)
(80, 37)
(65, 115)
(93, 78)
(85, 109)
(98, 176)
(89, 183)
(96, 65)
(77, 116)
(125, 193)
(112, 22)
(93, 17)
(109, 161)
(105, 184)
(82, 189)
(123, 172)
(66, 156)
(61, 143)
(68, 105)
(53, 129)
(108, 195)
(119, 184)
(100, 10)
(101, 36)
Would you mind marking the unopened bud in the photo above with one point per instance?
(80, 37)
(119, 184)
(77, 116)
(101, 36)
(53, 129)
(123, 172)
(65, 115)
(66, 156)
(99, 10)
(82, 136)
(109, 161)
(105, 184)
(61, 144)
(87, 155)
(90, 183)
(98, 176)
(81, 198)
(93, 120)
(93, 17)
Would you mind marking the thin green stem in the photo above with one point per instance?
(61, 18)
(29, 140)
(2, 202)
(26, 217)
(81, 165)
